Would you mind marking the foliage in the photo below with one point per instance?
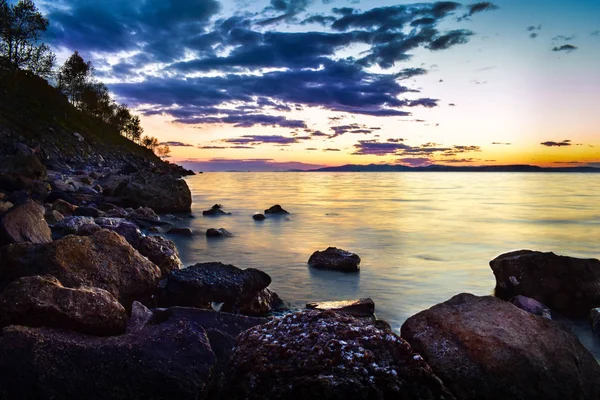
(21, 28)
(73, 76)
(150, 142)
(163, 151)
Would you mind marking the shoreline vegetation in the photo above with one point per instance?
(95, 302)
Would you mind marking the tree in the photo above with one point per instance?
(120, 118)
(163, 151)
(73, 77)
(21, 28)
(150, 142)
(95, 100)
(134, 130)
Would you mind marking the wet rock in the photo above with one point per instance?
(160, 251)
(324, 355)
(64, 207)
(144, 214)
(43, 301)
(335, 259)
(259, 217)
(215, 211)
(532, 306)
(364, 308)
(88, 230)
(276, 209)
(24, 223)
(218, 233)
(53, 217)
(140, 317)
(568, 285)
(167, 359)
(104, 260)
(203, 283)
(162, 193)
(595, 319)
(28, 166)
(485, 348)
(5, 206)
(117, 212)
(70, 225)
(263, 303)
(88, 212)
(181, 231)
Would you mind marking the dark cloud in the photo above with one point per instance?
(533, 35)
(318, 133)
(425, 151)
(213, 147)
(311, 148)
(595, 33)
(176, 144)
(372, 147)
(414, 161)
(319, 19)
(244, 121)
(331, 149)
(262, 139)
(565, 47)
(459, 36)
(563, 38)
(481, 7)
(502, 143)
(556, 144)
(250, 164)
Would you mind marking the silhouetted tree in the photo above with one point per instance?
(163, 151)
(150, 142)
(120, 118)
(73, 77)
(134, 130)
(21, 28)
(96, 101)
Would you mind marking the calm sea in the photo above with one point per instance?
(422, 236)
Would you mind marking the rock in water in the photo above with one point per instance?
(24, 223)
(161, 252)
(532, 306)
(264, 302)
(167, 359)
(568, 285)
(203, 283)
(358, 308)
(218, 233)
(215, 211)
(485, 348)
(335, 259)
(259, 217)
(104, 260)
(324, 355)
(43, 301)
(276, 209)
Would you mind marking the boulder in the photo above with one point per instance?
(19, 186)
(144, 214)
(218, 233)
(70, 225)
(127, 229)
(324, 355)
(104, 260)
(215, 211)
(162, 193)
(24, 223)
(276, 209)
(53, 217)
(259, 217)
(181, 231)
(43, 301)
(88, 212)
(568, 285)
(363, 308)
(160, 251)
(335, 259)
(28, 166)
(88, 230)
(595, 319)
(486, 348)
(166, 359)
(203, 283)
(5, 206)
(263, 303)
(64, 207)
(532, 306)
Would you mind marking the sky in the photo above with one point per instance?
(280, 84)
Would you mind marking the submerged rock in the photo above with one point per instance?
(568, 285)
(324, 355)
(43, 301)
(218, 233)
(485, 348)
(215, 211)
(103, 259)
(203, 283)
(181, 231)
(335, 259)
(169, 358)
(532, 306)
(259, 217)
(160, 251)
(24, 223)
(276, 209)
(357, 308)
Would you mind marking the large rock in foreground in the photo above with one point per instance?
(335, 259)
(568, 285)
(165, 359)
(486, 348)
(160, 251)
(24, 223)
(103, 259)
(324, 355)
(162, 193)
(203, 283)
(43, 301)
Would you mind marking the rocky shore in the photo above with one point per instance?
(94, 303)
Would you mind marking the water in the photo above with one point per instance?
(422, 237)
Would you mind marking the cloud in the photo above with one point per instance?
(250, 164)
(371, 147)
(533, 35)
(502, 143)
(262, 139)
(595, 33)
(481, 7)
(244, 121)
(176, 144)
(331, 149)
(563, 38)
(556, 144)
(565, 47)
(414, 161)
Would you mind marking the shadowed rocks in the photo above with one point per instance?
(276, 210)
(335, 259)
(364, 308)
(160, 251)
(215, 211)
(24, 223)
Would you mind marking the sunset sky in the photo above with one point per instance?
(298, 83)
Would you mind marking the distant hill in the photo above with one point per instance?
(447, 168)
